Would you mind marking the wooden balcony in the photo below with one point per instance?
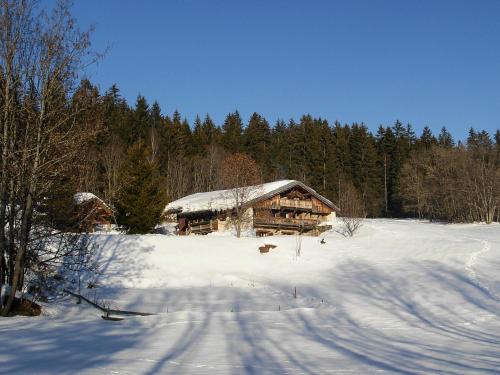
(292, 203)
(284, 222)
(321, 210)
(299, 205)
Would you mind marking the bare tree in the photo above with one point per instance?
(179, 173)
(240, 175)
(481, 177)
(453, 184)
(413, 191)
(352, 211)
(206, 169)
(112, 156)
(40, 57)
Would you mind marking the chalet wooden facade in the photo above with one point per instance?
(91, 213)
(281, 207)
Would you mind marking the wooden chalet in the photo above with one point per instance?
(280, 207)
(91, 213)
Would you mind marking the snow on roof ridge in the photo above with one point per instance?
(82, 197)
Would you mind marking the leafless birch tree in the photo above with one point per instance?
(352, 211)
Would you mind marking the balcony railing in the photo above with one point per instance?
(300, 205)
(295, 203)
(320, 209)
(285, 222)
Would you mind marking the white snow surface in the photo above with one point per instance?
(221, 199)
(401, 296)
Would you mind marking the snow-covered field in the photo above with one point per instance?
(400, 297)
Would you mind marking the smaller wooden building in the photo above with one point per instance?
(280, 207)
(91, 213)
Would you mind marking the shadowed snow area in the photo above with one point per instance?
(400, 297)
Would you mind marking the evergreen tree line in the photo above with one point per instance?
(142, 159)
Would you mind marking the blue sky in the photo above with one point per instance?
(434, 63)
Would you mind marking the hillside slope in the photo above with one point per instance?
(402, 296)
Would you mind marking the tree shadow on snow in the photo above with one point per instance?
(376, 320)
(423, 317)
(421, 333)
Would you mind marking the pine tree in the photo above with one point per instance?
(257, 140)
(155, 114)
(116, 116)
(178, 136)
(185, 138)
(210, 131)
(497, 143)
(311, 134)
(141, 120)
(232, 130)
(278, 151)
(427, 139)
(473, 138)
(142, 198)
(328, 163)
(364, 169)
(410, 136)
(389, 166)
(341, 136)
(445, 138)
(199, 137)
(485, 139)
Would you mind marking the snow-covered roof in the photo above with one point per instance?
(223, 199)
(83, 197)
(80, 198)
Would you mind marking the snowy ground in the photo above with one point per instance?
(401, 297)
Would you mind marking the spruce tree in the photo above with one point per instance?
(141, 120)
(278, 153)
(341, 136)
(142, 198)
(497, 143)
(312, 150)
(411, 137)
(199, 137)
(232, 130)
(210, 131)
(485, 140)
(257, 140)
(388, 162)
(364, 168)
(445, 138)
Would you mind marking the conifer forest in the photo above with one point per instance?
(395, 171)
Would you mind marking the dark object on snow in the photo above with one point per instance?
(266, 247)
(322, 241)
(112, 318)
(92, 285)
